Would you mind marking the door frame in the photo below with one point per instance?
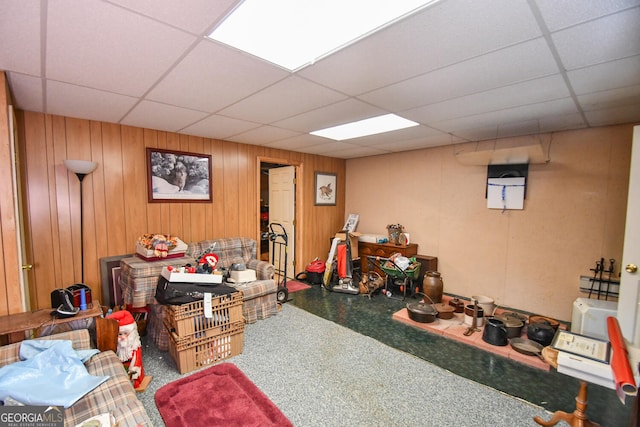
(298, 204)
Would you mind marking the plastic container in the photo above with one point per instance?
(193, 353)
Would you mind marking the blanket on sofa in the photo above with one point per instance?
(49, 373)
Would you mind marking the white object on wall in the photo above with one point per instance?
(505, 193)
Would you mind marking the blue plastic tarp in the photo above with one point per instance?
(50, 372)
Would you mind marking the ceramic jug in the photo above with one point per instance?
(433, 286)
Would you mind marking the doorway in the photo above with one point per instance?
(277, 201)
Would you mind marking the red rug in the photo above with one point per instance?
(295, 286)
(218, 396)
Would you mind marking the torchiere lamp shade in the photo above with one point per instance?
(81, 166)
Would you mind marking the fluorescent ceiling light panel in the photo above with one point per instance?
(365, 127)
(295, 33)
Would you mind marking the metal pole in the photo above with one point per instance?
(81, 177)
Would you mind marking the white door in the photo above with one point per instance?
(282, 202)
(629, 300)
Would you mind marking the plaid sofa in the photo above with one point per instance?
(139, 278)
(115, 396)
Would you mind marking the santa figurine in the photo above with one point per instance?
(129, 346)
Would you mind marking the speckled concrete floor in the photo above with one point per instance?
(319, 373)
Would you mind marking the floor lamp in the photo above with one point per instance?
(81, 168)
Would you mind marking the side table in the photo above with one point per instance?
(14, 326)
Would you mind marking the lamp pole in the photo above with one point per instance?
(81, 168)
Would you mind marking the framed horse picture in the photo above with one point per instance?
(326, 184)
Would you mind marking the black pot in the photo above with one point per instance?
(541, 332)
(495, 333)
(514, 325)
(421, 312)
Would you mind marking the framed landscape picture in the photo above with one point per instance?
(178, 176)
(325, 188)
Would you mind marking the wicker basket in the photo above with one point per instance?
(188, 320)
(193, 353)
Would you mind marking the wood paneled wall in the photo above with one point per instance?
(116, 211)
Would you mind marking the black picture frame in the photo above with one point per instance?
(178, 176)
(326, 189)
(110, 278)
(582, 345)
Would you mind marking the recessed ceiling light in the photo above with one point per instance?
(295, 33)
(365, 127)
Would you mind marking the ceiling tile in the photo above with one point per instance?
(212, 77)
(443, 34)
(76, 101)
(618, 115)
(349, 110)
(154, 115)
(561, 14)
(264, 135)
(26, 91)
(496, 119)
(610, 98)
(267, 107)
(218, 127)
(610, 75)
(423, 142)
(301, 142)
(347, 151)
(562, 122)
(525, 127)
(196, 18)
(109, 48)
(531, 92)
(465, 69)
(613, 37)
(20, 24)
(478, 132)
(392, 137)
(507, 66)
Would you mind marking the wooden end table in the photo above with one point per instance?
(14, 326)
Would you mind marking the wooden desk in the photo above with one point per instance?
(14, 326)
(384, 250)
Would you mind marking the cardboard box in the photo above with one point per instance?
(242, 276)
(177, 276)
(586, 369)
(372, 238)
(353, 239)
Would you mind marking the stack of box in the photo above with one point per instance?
(197, 340)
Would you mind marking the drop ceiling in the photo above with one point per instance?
(466, 70)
